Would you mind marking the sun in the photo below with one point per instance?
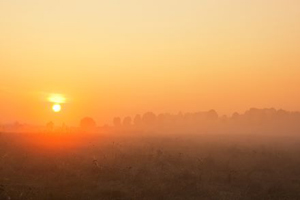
(56, 108)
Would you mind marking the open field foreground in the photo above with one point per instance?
(123, 165)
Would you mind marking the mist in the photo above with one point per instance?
(198, 155)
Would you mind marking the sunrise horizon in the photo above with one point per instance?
(120, 58)
(149, 100)
(58, 122)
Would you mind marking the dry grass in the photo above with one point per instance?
(147, 167)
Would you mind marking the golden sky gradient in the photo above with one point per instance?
(122, 57)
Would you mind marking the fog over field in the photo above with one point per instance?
(200, 155)
(149, 100)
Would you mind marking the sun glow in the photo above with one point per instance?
(56, 108)
(57, 98)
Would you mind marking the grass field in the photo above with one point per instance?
(127, 165)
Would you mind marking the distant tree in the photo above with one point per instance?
(149, 118)
(235, 116)
(270, 113)
(252, 113)
(50, 126)
(180, 116)
(87, 123)
(212, 115)
(161, 118)
(166, 118)
(127, 121)
(282, 113)
(64, 127)
(257, 115)
(117, 121)
(17, 125)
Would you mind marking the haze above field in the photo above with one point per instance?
(119, 58)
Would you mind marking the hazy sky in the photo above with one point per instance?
(123, 57)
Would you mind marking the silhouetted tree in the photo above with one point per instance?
(260, 115)
(17, 125)
(252, 113)
(127, 121)
(282, 113)
(212, 115)
(64, 127)
(117, 121)
(161, 118)
(87, 123)
(50, 126)
(235, 116)
(149, 118)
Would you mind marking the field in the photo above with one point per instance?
(144, 165)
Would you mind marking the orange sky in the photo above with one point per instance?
(122, 57)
